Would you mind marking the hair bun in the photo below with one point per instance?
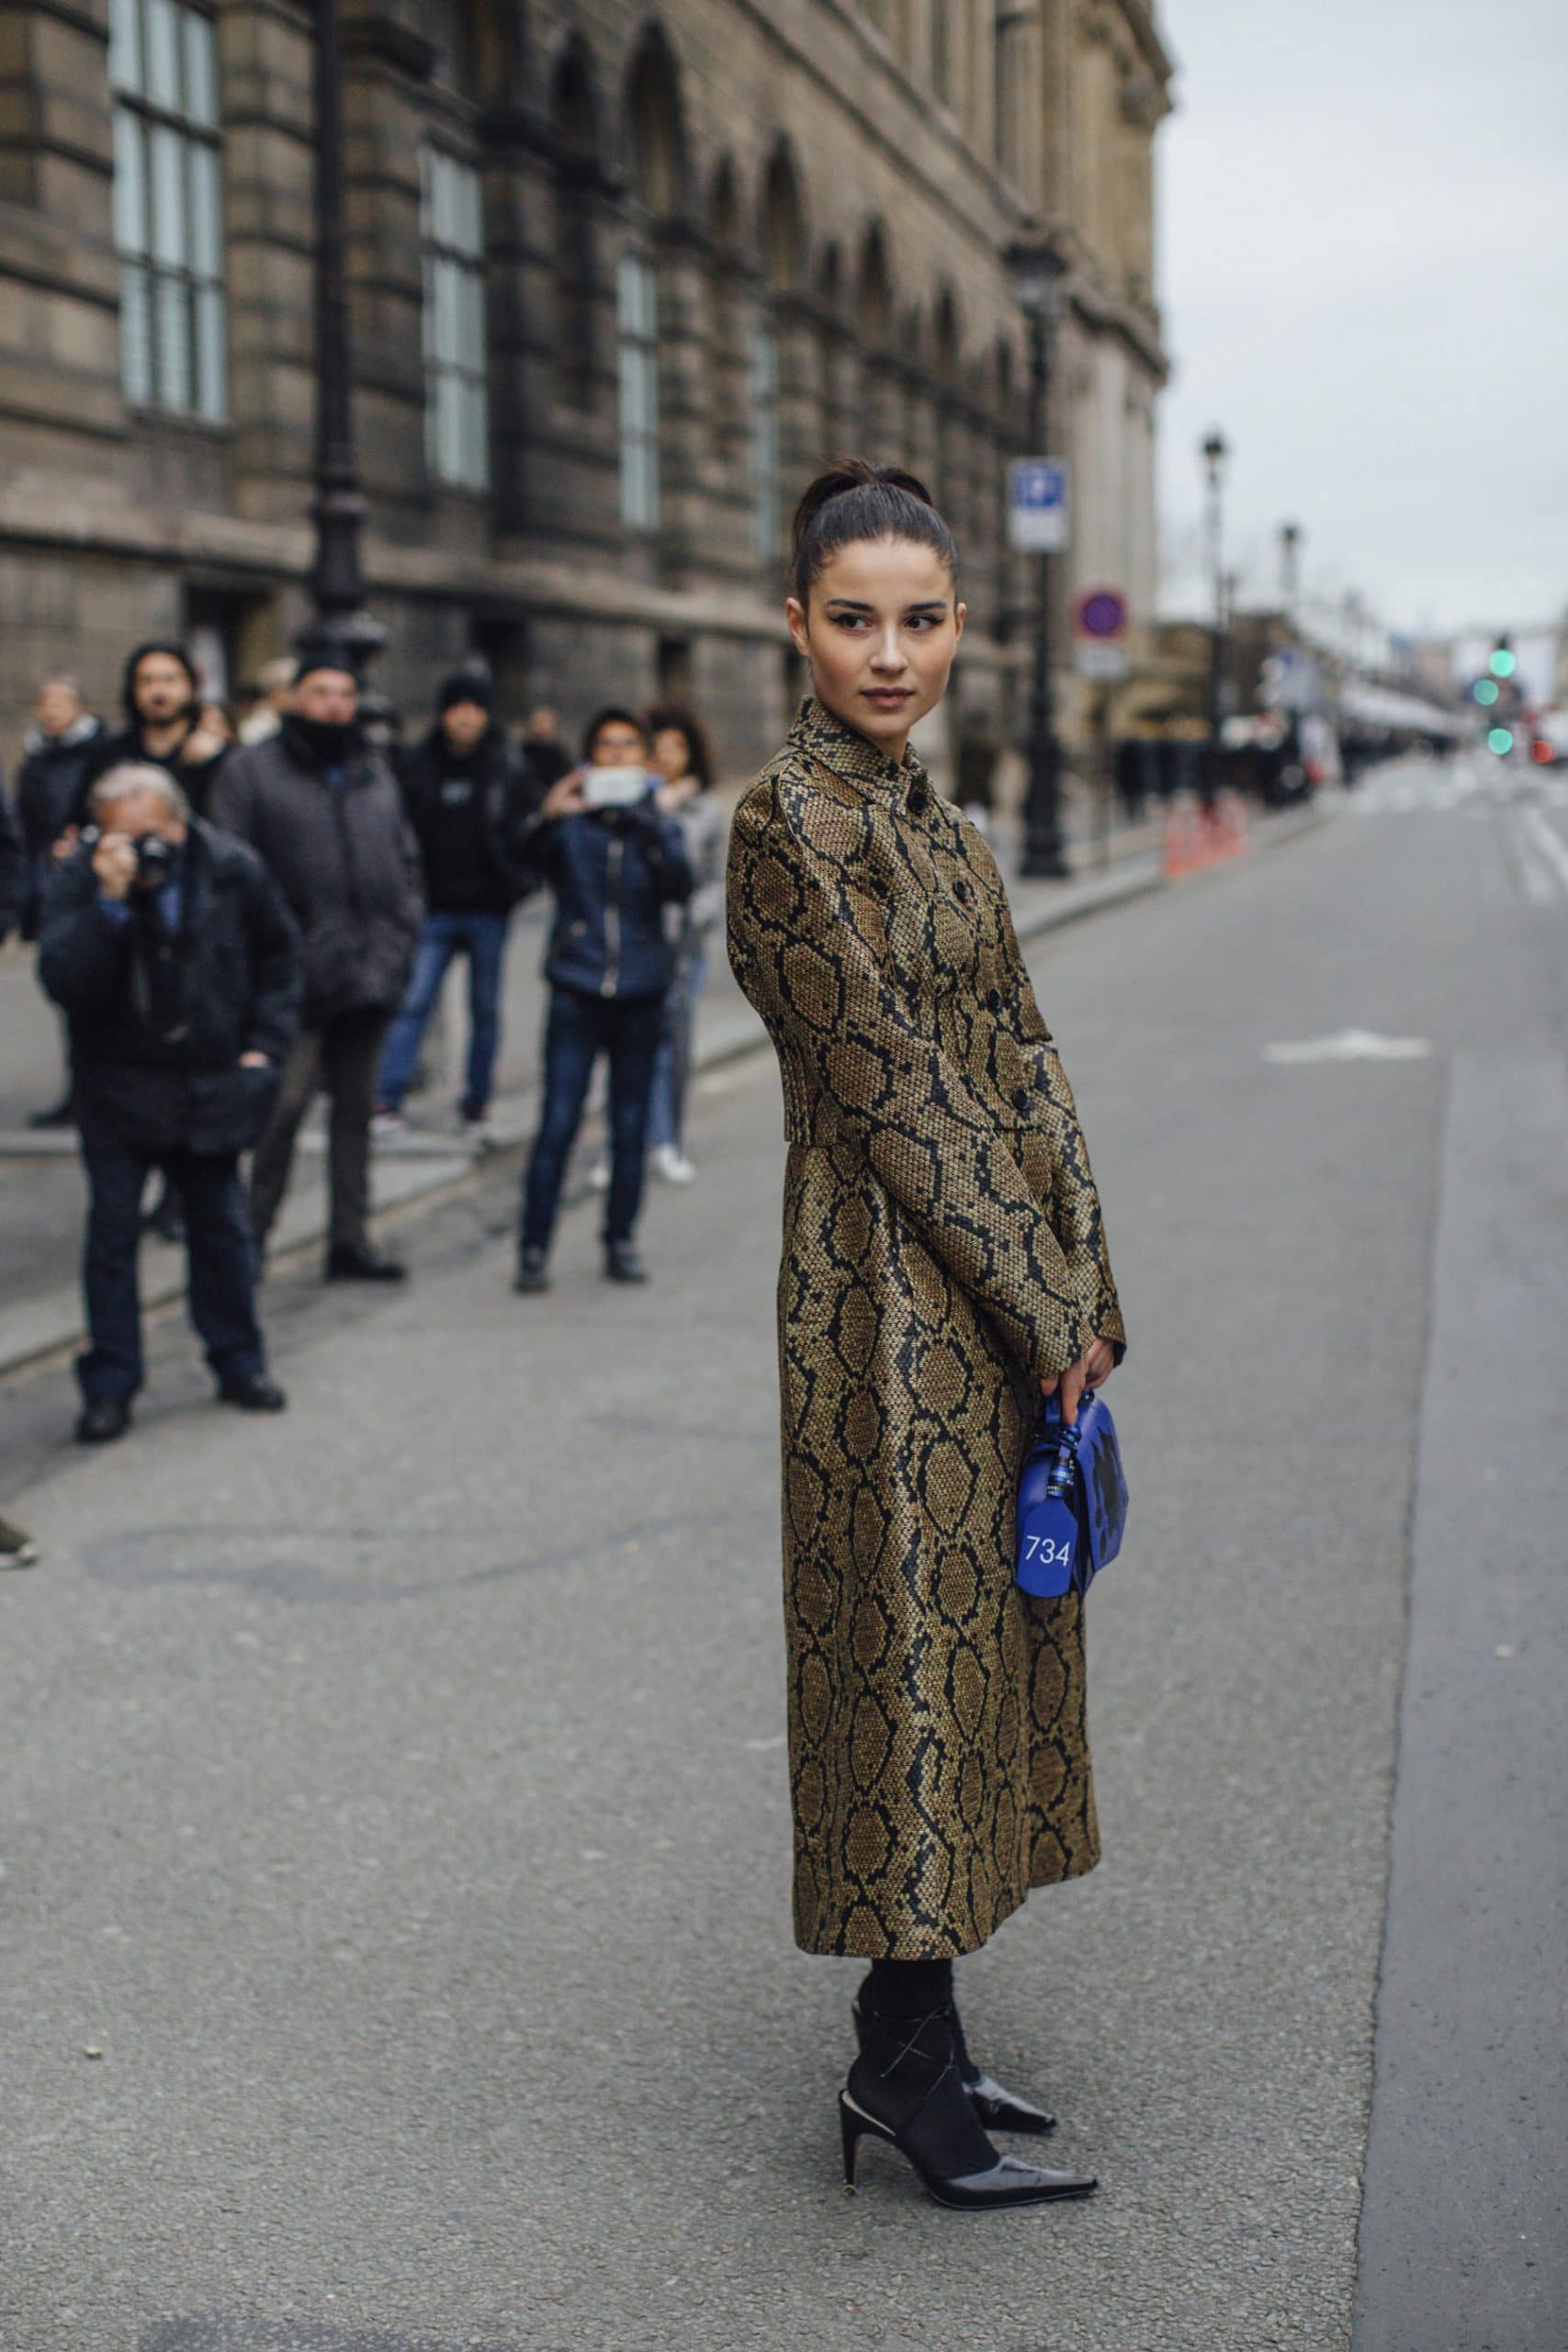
(878, 503)
(847, 474)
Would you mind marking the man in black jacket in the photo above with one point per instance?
(51, 784)
(467, 799)
(166, 728)
(327, 817)
(177, 965)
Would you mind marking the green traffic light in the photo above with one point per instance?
(1501, 740)
(1485, 691)
(1502, 663)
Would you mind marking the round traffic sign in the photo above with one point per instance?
(1102, 612)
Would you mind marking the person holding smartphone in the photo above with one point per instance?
(613, 862)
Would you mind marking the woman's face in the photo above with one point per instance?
(880, 632)
(671, 754)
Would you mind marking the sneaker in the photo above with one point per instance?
(17, 1549)
(476, 1130)
(102, 1420)
(385, 1124)
(671, 1163)
(598, 1174)
(533, 1273)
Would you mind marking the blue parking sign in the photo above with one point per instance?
(1038, 504)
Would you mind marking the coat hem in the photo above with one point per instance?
(948, 1947)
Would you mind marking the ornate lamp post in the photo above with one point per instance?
(1038, 268)
(1214, 450)
(1291, 537)
(337, 585)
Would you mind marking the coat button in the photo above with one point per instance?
(994, 999)
(1021, 1098)
(918, 797)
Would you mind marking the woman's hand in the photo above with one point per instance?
(1091, 1371)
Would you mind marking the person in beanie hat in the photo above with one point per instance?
(324, 810)
(466, 797)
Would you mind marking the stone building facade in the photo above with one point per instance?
(621, 277)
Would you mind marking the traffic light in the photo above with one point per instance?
(1486, 691)
(1503, 662)
(1500, 741)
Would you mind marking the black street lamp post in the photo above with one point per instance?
(1215, 453)
(1037, 269)
(1291, 537)
(337, 584)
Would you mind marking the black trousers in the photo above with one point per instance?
(344, 1056)
(219, 1252)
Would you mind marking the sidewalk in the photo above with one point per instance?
(41, 1189)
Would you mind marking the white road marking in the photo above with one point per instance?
(1547, 843)
(1350, 1045)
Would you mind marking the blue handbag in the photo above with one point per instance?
(1072, 1500)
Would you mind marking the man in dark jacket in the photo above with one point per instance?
(613, 864)
(466, 798)
(327, 817)
(50, 783)
(177, 965)
(166, 728)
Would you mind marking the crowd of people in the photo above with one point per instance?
(239, 910)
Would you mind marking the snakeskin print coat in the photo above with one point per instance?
(943, 1249)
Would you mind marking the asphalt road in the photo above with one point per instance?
(395, 1834)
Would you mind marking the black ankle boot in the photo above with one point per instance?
(997, 2109)
(905, 2088)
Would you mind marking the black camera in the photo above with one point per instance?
(154, 856)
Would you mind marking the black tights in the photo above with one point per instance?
(910, 1988)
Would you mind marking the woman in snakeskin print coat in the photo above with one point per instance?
(944, 1264)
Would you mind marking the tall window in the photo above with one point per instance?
(168, 207)
(762, 407)
(637, 309)
(456, 412)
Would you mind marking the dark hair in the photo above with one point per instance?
(612, 715)
(855, 501)
(143, 653)
(676, 717)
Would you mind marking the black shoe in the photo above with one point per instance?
(17, 1549)
(59, 1115)
(533, 1273)
(357, 1262)
(102, 1420)
(999, 2109)
(256, 1394)
(905, 2088)
(622, 1264)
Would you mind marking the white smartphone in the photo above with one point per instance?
(613, 787)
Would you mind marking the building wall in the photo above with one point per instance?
(848, 176)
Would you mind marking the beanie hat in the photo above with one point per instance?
(321, 650)
(464, 686)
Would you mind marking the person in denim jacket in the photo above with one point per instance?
(613, 864)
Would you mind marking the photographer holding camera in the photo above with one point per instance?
(177, 965)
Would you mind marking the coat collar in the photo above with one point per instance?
(850, 754)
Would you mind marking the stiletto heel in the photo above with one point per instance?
(907, 2070)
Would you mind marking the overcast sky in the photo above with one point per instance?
(1364, 237)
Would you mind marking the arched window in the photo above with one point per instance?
(782, 240)
(168, 213)
(831, 402)
(637, 320)
(762, 403)
(873, 311)
(574, 128)
(726, 369)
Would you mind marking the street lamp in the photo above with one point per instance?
(1291, 537)
(1037, 268)
(1214, 450)
(337, 584)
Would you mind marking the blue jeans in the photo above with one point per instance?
(578, 1030)
(221, 1254)
(673, 1069)
(482, 939)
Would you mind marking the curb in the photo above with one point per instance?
(424, 1177)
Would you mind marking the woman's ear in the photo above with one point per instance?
(960, 614)
(794, 614)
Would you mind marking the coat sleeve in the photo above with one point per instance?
(802, 928)
(1074, 1201)
(82, 948)
(277, 970)
(665, 845)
